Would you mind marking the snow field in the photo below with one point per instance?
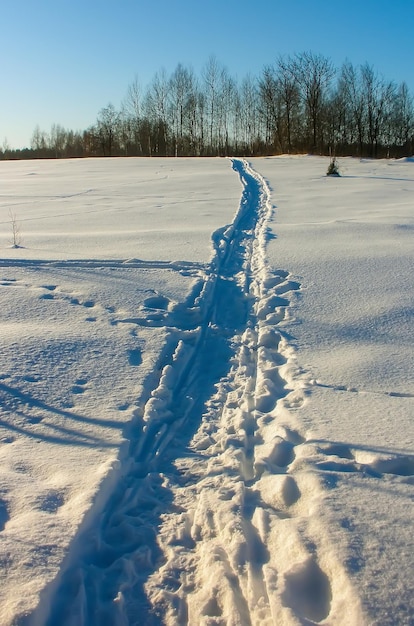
(223, 560)
(242, 432)
(349, 242)
(81, 339)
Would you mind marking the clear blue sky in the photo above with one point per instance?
(64, 60)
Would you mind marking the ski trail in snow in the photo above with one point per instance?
(210, 520)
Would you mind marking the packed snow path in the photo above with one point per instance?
(209, 522)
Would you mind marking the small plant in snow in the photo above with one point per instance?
(15, 226)
(333, 169)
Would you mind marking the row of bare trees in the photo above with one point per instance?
(298, 104)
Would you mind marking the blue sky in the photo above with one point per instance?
(64, 60)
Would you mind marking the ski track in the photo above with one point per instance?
(211, 520)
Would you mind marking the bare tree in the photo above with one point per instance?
(352, 87)
(288, 90)
(226, 112)
(131, 119)
(313, 73)
(271, 108)
(40, 141)
(247, 105)
(57, 140)
(107, 128)
(194, 119)
(132, 103)
(182, 98)
(6, 148)
(212, 76)
(156, 108)
(378, 97)
(15, 228)
(403, 117)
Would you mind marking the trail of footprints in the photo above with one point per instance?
(153, 312)
(210, 526)
(237, 549)
(156, 310)
(244, 495)
(340, 457)
(237, 553)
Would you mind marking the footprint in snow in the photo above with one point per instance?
(348, 460)
(7, 439)
(89, 304)
(155, 310)
(31, 379)
(4, 514)
(80, 386)
(8, 282)
(398, 465)
(289, 285)
(308, 591)
(49, 287)
(51, 501)
(276, 278)
(157, 302)
(135, 357)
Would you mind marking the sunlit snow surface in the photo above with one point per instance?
(206, 383)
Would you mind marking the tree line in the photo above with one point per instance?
(299, 104)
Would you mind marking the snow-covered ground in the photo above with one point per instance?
(349, 241)
(206, 383)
